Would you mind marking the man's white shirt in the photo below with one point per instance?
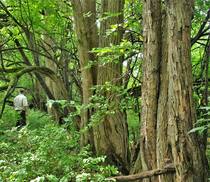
(20, 102)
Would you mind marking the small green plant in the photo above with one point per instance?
(203, 123)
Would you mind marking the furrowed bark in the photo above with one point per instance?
(86, 31)
(187, 155)
(168, 112)
(111, 135)
(150, 83)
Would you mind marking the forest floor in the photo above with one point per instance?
(40, 148)
(44, 151)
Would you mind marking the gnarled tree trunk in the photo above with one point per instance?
(111, 135)
(167, 105)
(87, 36)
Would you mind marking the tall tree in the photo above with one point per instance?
(111, 135)
(86, 30)
(167, 105)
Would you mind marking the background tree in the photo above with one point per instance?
(94, 73)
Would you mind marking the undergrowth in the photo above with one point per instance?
(44, 151)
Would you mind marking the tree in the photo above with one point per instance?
(167, 106)
(86, 31)
(110, 135)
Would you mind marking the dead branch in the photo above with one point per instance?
(146, 174)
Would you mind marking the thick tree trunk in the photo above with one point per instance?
(152, 58)
(167, 106)
(187, 155)
(150, 86)
(111, 135)
(57, 86)
(163, 151)
(87, 36)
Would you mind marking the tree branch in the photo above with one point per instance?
(26, 48)
(200, 32)
(10, 70)
(146, 174)
(11, 16)
(39, 77)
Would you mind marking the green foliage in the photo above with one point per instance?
(203, 123)
(104, 106)
(43, 151)
(9, 119)
(133, 125)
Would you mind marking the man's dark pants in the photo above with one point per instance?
(22, 119)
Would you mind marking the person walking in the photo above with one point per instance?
(21, 106)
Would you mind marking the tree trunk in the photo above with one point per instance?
(152, 58)
(87, 36)
(56, 86)
(187, 155)
(167, 105)
(111, 135)
(163, 151)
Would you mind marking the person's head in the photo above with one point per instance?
(22, 91)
